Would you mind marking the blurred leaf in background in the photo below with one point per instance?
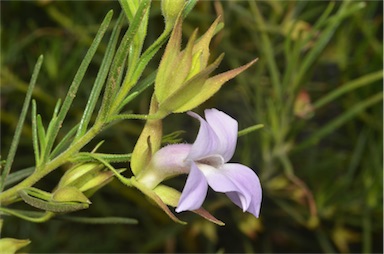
(321, 174)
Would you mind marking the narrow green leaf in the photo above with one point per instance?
(129, 8)
(102, 220)
(188, 7)
(40, 194)
(340, 120)
(250, 129)
(35, 139)
(56, 109)
(20, 123)
(354, 84)
(323, 20)
(138, 40)
(118, 64)
(323, 40)
(267, 49)
(100, 78)
(356, 157)
(50, 132)
(41, 135)
(18, 176)
(51, 206)
(76, 82)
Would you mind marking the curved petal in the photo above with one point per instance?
(225, 128)
(250, 184)
(206, 142)
(238, 182)
(220, 181)
(194, 192)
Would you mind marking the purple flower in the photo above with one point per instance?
(207, 161)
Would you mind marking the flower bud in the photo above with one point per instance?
(80, 174)
(97, 182)
(171, 10)
(69, 194)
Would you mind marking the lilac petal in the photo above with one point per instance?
(226, 129)
(220, 181)
(171, 159)
(250, 183)
(239, 182)
(194, 192)
(206, 142)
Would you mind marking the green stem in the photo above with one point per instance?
(10, 195)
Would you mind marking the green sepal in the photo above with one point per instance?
(70, 194)
(188, 91)
(210, 87)
(168, 61)
(102, 179)
(148, 143)
(80, 174)
(154, 197)
(171, 197)
(12, 245)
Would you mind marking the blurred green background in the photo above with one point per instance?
(317, 88)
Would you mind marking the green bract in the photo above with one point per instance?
(183, 82)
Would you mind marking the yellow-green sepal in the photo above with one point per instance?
(12, 245)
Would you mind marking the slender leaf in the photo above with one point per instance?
(51, 128)
(30, 198)
(188, 7)
(354, 84)
(138, 41)
(76, 83)
(267, 49)
(250, 129)
(35, 139)
(340, 120)
(323, 40)
(119, 62)
(102, 220)
(18, 176)
(100, 78)
(20, 123)
(41, 135)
